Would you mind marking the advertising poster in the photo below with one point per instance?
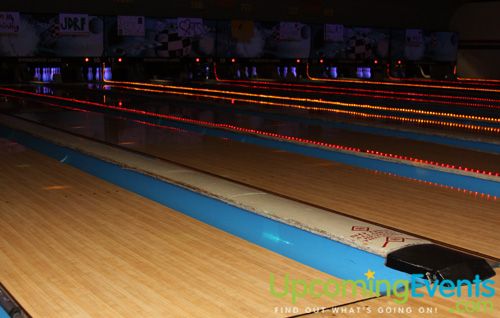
(429, 46)
(334, 33)
(348, 43)
(42, 36)
(131, 26)
(77, 24)
(9, 22)
(266, 41)
(163, 38)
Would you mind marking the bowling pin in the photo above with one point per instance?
(90, 74)
(359, 72)
(285, 71)
(98, 74)
(107, 74)
(238, 73)
(247, 75)
(294, 71)
(254, 71)
(45, 74)
(37, 73)
(367, 72)
(333, 72)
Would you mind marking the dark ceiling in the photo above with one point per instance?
(385, 13)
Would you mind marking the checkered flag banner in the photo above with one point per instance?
(170, 44)
(359, 48)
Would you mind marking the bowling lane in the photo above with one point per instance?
(73, 245)
(285, 125)
(472, 122)
(328, 103)
(437, 213)
(396, 85)
(430, 101)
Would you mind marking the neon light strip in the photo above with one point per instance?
(333, 91)
(478, 195)
(464, 191)
(318, 101)
(331, 110)
(266, 134)
(386, 92)
(480, 80)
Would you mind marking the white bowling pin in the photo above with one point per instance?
(254, 71)
(285, 71)
(98, 74)
(90, 74)
(367, 72)
(359, 72)
(333, 72)
(107, 73)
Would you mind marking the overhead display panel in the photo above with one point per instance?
(334, 33)
(54, 35)
(190, 27)
(9, 22)
(242, 30)
(163, 38)
(349, 43)
(266, 40)
(131, 26)
(290, 31)
(73, 24)
(419, 45)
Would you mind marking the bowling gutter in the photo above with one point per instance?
(302, 228)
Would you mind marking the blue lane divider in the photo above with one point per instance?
(436, 139)
(324, 254)
(451, 179)
(3, 313)
(405, 170)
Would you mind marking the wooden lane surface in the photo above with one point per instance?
(432, 306)
(456, 218)
(72, 245)
(453, 132)
(365, 141)
(449, 216)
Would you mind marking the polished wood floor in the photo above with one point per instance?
(449, 216)
(445, 215)
(72, 245)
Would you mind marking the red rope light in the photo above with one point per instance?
(231, 127)
(325, 102)
(385, 92)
